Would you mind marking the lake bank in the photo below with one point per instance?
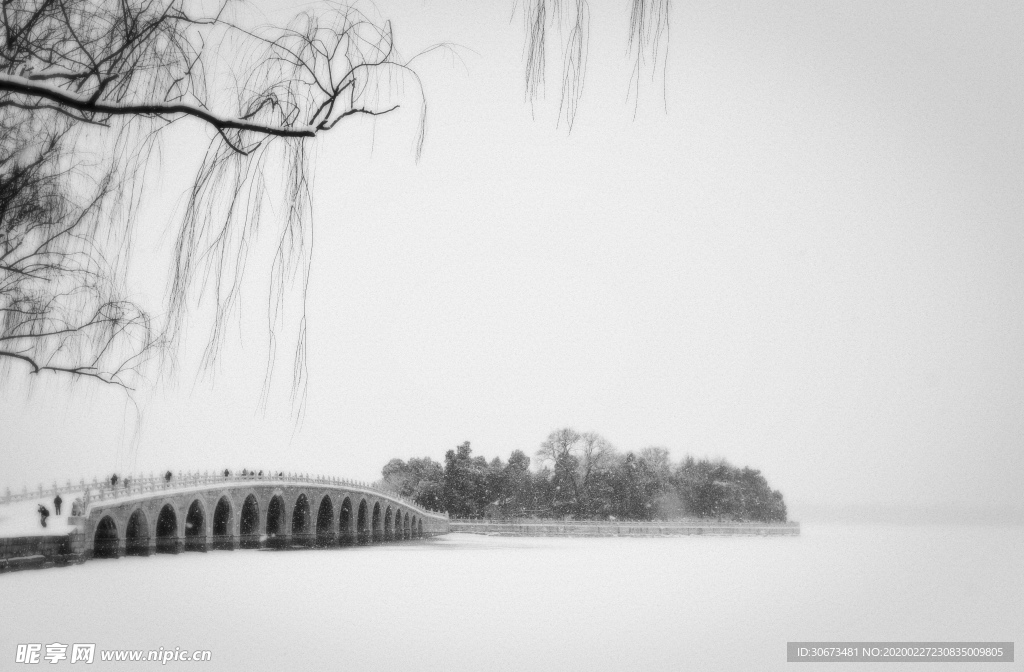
(589, 528)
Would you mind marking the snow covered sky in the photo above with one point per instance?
(811, 262)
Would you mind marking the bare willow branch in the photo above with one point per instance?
(569, 20)
(87, 87)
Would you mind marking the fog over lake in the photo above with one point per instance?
(464, 603)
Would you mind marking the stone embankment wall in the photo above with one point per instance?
(41, 551)
(559, 528)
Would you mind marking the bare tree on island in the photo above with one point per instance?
(577, 460)
(87, 87)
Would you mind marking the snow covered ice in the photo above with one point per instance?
(462, 603)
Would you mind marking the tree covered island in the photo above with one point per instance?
(583, 477)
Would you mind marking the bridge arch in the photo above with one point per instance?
(106, 539)
(325, 522)
(346, 530)
(406, 532)
(249, 522)
(301, 520)
(389, 527)
(195, 526)
(136, 534)
(222, 519)
(167, 530)
(377, 528)
(276, 527)
(420, 531)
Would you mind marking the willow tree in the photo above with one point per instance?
(87, 87)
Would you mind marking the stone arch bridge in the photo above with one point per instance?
(200, 512)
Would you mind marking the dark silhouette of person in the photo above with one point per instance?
(44, 513)
(56, 503)
(167, 476)
(113, 480)
(227, 472)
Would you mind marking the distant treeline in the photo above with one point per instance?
(583, 477)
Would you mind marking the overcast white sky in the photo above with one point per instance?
(811, 264)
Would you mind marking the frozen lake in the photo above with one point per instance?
(470, 603)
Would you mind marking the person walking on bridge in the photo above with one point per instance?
(44, 513)
(56, 503)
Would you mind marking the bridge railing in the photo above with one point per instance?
(40, 492)
(121, 487)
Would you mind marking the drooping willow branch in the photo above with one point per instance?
(569, 20)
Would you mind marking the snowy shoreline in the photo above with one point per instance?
(622, 529)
